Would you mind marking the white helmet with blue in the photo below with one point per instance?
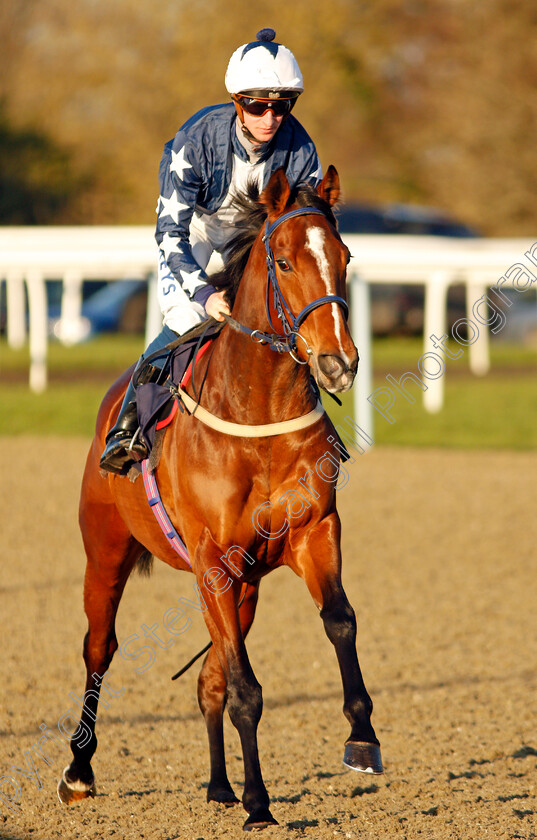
(264, 69)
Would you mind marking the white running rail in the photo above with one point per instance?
(32, 255)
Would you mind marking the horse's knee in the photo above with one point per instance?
(339, 622)
(245, 701)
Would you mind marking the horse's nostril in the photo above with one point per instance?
(332, 365)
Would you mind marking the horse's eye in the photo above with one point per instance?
(283, 265)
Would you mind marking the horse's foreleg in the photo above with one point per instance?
(319, 564)
(103, 588)
(244, 696)
(362, 749)
(212, 699)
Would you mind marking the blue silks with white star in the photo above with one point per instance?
(195, 176)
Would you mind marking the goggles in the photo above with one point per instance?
(258, 107)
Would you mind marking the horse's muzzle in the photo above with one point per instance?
(335, 375)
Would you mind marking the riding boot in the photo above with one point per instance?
(122, 445)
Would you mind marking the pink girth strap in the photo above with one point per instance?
(155, 503)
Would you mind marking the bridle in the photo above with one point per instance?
(286, 343)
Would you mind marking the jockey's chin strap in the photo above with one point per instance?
(286, 343)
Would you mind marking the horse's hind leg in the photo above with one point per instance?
(105, 580)
(212, 699)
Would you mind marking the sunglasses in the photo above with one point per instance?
(258, 107)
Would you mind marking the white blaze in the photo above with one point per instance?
(315, 245)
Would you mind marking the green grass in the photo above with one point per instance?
(487, 413)
(495, 411)
(79, 377)
(108, 354)
(61, 410)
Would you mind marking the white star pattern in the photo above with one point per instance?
(191, 281)
(169, 245)
(317, 176)
(179, 164)
(172, 206)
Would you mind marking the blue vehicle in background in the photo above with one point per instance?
(397, 309)
(115, 306)
(399, 218)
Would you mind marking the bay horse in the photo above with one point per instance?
(241, 492)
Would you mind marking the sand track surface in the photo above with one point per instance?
(440, 564)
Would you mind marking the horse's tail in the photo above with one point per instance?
(144, 564)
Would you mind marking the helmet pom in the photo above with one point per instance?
(266, 34)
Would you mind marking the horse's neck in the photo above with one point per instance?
(248, 382)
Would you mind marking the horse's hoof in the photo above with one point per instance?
(363, 756)
(259, 818)
(223, 795)
(69, 792)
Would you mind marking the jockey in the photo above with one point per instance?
(212, 158)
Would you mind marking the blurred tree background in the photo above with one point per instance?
(422, 101)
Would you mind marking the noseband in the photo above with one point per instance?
(285, 343)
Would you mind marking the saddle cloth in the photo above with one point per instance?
(155, 398)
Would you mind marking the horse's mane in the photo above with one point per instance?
(251, 214)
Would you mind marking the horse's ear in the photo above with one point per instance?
(276, 194)
(329, 186)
